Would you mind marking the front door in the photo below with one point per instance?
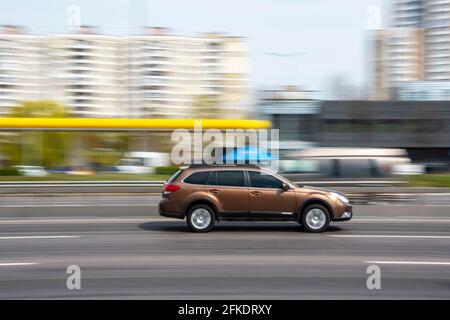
(268, 199)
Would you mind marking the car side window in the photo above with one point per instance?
(213, 179)
(260, 180)
(198, 178)
(232, 178)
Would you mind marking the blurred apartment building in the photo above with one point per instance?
(150, 75)
(414, 49)
(85, 72)
(20, 67)
(397, 58)
(169, 73)
(423, 91)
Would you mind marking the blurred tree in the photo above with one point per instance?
(39, 109)
(105, 148)
(44, 148)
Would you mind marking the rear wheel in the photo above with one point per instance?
(200, 218)
(315, 218)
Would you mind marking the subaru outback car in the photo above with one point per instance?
(204, 195)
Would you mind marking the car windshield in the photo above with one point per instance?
(276, 175)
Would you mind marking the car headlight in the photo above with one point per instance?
(340, 197)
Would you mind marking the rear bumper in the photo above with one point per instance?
(166, 213)
(171, 215)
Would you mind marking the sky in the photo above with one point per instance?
(292, 42)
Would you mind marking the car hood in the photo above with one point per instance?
(317, 189)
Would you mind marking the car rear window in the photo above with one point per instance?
(198, 178)
(175, 176)
(232, 178)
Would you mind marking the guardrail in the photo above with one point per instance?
(372, 192)
(21, 184)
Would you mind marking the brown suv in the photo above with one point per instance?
(208, 194)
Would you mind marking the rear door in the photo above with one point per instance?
(268, 200)
(230, 189)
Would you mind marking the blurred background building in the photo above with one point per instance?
(423, 91)
(414, 48)
(397, 58)
(420, 127)
(21, 75)
(155, 74)
(294, 113)
(408, 13)
(86, 72)
(172, 75)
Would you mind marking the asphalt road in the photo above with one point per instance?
(129, 252)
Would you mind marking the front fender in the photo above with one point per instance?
(315, 197)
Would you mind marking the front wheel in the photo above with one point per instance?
(315, 218)
(200, 218)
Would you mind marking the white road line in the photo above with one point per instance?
(21, 185)
(77, 194)
(399, 220)
(405, 194)
(13, 264)
(357, 181)
(76, 205)
(37, 237)
(425, 263)
(87, 220)
(387, 236)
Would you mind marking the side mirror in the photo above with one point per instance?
(285, 187)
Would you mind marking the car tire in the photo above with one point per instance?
(315, 218)
(200, 218)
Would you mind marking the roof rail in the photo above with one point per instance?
(232, 165)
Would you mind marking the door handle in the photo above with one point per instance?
(256, 193)
(213, 191)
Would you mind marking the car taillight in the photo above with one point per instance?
(169, 188)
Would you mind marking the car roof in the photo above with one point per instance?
(223, 167)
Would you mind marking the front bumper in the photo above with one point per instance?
(345, 213)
